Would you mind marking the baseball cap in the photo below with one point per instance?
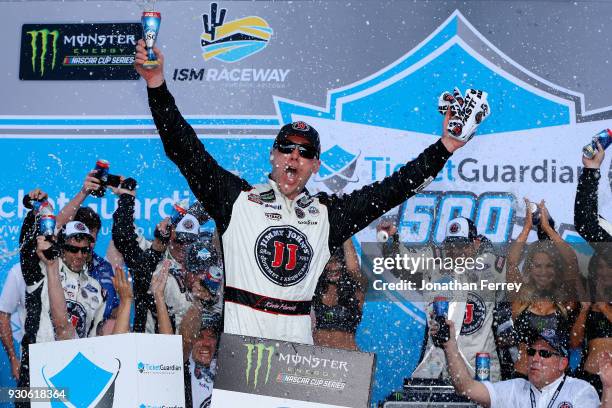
(302, 129)
(75, 229)
(460, 229)
(557, 338)
(212, 320)
(187, 229)
(201, 255)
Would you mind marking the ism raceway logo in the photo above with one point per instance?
(78, 51)
(232, 41)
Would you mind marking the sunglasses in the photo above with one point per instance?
(74, 249)
(543, 353)
(287, 147)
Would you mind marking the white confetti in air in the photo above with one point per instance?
(57, 159)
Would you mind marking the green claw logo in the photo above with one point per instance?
(260, 350)
(45, 35)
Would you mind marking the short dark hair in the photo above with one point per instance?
(89, 217)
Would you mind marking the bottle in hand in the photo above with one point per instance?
(440, 306)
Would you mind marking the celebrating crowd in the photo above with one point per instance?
(280, 257)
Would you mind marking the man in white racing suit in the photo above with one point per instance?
(276, 237)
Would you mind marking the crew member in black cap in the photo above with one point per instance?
(547, 385)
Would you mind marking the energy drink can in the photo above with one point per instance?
(101, 173)
(605, 139)
(179, 209)
(483, 367)
(47, 225)
(440, 306)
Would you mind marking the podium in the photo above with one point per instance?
(263, 373)
(125, 370)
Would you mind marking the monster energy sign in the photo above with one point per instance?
(271, 369)
(78, 51)
(259, 350)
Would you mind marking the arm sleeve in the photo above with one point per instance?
(587, 397)
(351, 213)
(124, 235)
(216, 188)
(141, 263)
(9, 299)
(27, 243)
(586, 218)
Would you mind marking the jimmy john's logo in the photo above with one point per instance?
(475, 314)
(283, 255)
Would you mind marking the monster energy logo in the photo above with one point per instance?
(260, 351)
(44, 37)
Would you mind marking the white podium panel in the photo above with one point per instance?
(127, 370)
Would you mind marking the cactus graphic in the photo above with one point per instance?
(209, 27)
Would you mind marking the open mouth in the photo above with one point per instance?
(291, 173)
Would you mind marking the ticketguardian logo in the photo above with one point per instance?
(147, 368)
(145, 208)
(159, 406)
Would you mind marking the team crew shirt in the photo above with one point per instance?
(475, 313)
(12, 300)
(518, 393)
(274, 248)
(84, 300)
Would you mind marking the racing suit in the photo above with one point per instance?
(84, 300)
(476, 316)
(274, 248)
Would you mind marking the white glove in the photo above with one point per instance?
(466, 112)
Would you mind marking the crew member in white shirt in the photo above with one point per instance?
(547, 386)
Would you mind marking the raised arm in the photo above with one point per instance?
(158, 286)
(68, 212)
(352, 264)
(30, 267)
(215, 187)
(586, 217)
(64, 330)
(570, 260)
(460, 376)
(353, 212)
(577, 332)
(515, 252)
(126, 240)
(123, 287)
(605, 373)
